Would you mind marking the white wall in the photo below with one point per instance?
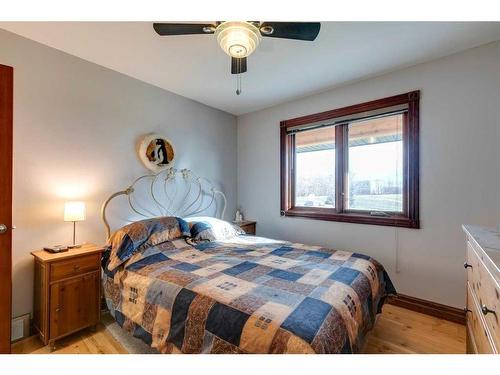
(460, 171)
(75, 129)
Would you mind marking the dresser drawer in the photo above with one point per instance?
(486, 290)
(73, 267)
(476, 325)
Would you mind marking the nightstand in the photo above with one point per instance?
(67, 291)
(247, 225)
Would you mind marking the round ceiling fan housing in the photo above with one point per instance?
(238, 39)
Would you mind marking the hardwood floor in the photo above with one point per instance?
(400, 331)
(397, 331)
(83, 342)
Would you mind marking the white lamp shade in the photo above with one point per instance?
(238, 39)
(74, 211)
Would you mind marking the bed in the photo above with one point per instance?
(234, 293)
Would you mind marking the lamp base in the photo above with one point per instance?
(74, 246)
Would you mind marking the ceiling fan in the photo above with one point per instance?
(240, 38)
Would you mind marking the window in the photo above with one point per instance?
(375, 165)
(315, 168)
(355, 164)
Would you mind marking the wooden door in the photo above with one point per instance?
(6, 90)
(73, 304)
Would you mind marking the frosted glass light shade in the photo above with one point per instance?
(74, 211)
(238, 39)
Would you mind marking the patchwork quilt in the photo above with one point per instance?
(247, 295)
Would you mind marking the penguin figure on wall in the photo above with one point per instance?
(161, 152)
(156, 152)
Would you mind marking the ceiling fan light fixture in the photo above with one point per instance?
(238, 38)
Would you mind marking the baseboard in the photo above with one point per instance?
(423, 306)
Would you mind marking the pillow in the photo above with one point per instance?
(140, 235)
(212, 229)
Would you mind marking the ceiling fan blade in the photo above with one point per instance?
(291, 30)
(183, 28)
(238, 66)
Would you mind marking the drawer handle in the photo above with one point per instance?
(58, 309)
(76, 267)
(486, 311)
(467, 265)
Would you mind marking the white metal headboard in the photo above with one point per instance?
(170, 192)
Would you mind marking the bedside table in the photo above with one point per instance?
(67, 296)
(247, 225)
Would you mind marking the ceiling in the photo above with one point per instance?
(280, 70)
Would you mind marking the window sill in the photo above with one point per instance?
(326, 214)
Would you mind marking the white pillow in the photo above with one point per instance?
(205, 228)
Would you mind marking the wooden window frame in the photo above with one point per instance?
(410, 216)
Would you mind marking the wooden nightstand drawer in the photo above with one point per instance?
(247, 226)
(73, 267)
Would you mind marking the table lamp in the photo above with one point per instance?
(74, 211)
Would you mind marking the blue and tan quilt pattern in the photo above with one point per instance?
(247, 295)
(141, 235)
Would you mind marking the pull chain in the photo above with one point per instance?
(238, 84)
(238, 77)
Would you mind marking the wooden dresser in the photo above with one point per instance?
(67, 291)
(483, 289)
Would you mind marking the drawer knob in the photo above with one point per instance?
(486, 311)
(76, 267)
(466, 310)
(467, 265)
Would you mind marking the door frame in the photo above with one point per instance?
(6, 140)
